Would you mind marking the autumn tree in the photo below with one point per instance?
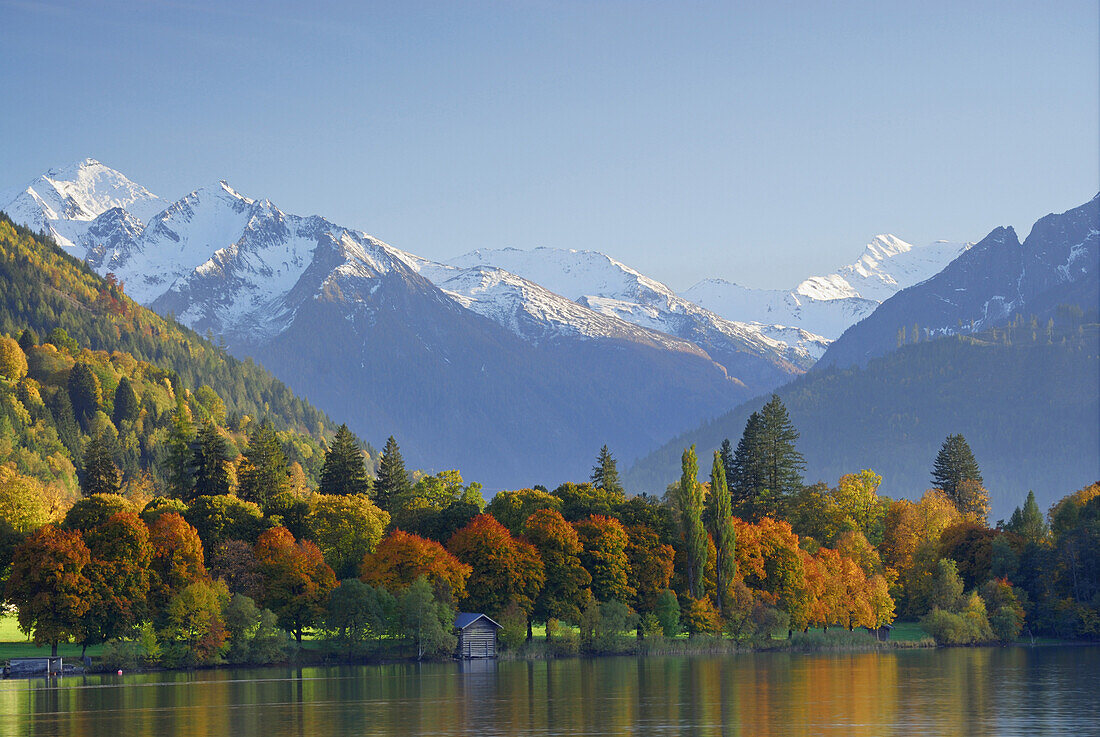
(224, 517)
(177, 561)
(393, 485)
(605, 542)
(118, 571)
(566, 588)
(296, 579)
(99, 474)
(48, 586)
(506, 570)
(346, 528)
(94, 510)
(972, 499)
(401, 558)
(344, 470)
(954, 464)
(194, 626)
(13, 361)
(651, 566)
(513, 508)
(689, 497)
(605, 474)
(263, 470)
(723, 532)
(579, 501)
(858, 503)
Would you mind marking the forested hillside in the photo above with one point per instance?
(1025, 396)
(80, 361)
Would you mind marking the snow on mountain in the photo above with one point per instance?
(64, 199)
(612, 288)
(828, 305)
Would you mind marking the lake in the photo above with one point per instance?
(977, 691)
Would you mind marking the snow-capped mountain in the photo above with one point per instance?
(611, 288)
(988, 285)
(828, 305)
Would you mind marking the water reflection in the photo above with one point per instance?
(950, 692)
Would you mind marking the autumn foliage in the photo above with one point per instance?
(401, 558)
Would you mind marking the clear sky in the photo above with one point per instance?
(757, 141)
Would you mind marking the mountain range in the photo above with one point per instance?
(512, 365)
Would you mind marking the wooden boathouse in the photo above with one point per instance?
(477, 635)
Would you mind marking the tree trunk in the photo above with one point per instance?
(53, 650)
(530, 629)
(298, 635)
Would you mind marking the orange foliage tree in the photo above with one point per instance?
(651, 565)
(119, 574)
(48, 585)
(566, 589)
(296, 579)
(177, 559)
(506, 570)
(401, 558)
(605, 558)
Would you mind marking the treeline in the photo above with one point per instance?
(46, 288)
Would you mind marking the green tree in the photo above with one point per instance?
(1028, 522)
(605, 474)
(428, 624)
(224, 517)
(746, 474)
(357, 612)
(28, 339)
(580, 501)
(209, 463)
(346, 527)
(64, 419)
(99, 474)
(118, 571)
(558, 545)
(783, 464)
(689, 497)
(668, 613)
(84, 392)
(954, 464)
(513, 508)
(263, 469)
(177, 462)
(127, 406)
(725, 536)
(344, 471)
(393, 485)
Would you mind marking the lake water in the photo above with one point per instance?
(980, 691)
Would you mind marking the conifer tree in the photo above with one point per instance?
(127, 406)
(209, 463)
(28, 339)
(605, 474)
(954, 464)
(99, 474)
(68, 431)
(783, 464)
(726, 454)
(725, 537)
(178, 461)
(393, 485)
(746, 481)
(690, 500)
(344, 471)
(84, 392)
(1028, 521)
(263, 469)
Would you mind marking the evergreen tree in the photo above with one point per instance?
(263, 470)
(84, 392)
(954, 464)
(99, 474)
(209, 463)
(344, 471)
(605, 474)
(393, 484)
(28, 339)
(127, 406)
(1028, 521)
(690, 500)
(68, 431)
(746, 481)
(725, 537)
(783, 464)
(726, 454)
(178, 461)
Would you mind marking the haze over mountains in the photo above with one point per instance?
(514, 366)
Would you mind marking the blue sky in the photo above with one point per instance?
(759, 142)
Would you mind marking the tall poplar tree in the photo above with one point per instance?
(725, 537)
(344, 471)
(605, 474)
(263, 469)
(393, 485)
(690, 499)
(954, 464)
